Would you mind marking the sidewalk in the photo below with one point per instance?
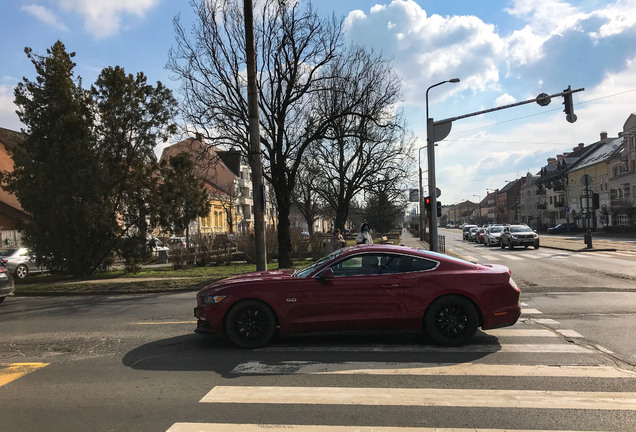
(574, 243)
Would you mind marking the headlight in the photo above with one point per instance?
(211, 299)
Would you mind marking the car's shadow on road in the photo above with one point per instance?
(195, 352)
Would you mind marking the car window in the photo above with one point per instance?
(310, 269)
(357, 265)
(7, 252)
(495, 229)
(520, 229)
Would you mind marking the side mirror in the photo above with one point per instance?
(326, 273)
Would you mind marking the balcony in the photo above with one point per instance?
(559, 204)
(542, 206)
(616, 203)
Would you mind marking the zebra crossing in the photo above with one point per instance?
(595, 393)
(539, 255)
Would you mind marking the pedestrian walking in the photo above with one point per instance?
(364, 236)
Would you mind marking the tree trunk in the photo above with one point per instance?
(284, 239)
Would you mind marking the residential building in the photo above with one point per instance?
(621, 209)
(589, 177)
(12, 215)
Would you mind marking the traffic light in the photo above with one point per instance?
(439, 209)
(596, 204)
(569, 105)
(427, 203)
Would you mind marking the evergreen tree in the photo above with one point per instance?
(57, 176)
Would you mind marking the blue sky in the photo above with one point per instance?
(503, 51)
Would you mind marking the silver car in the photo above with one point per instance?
(7, 287)
(19, 262)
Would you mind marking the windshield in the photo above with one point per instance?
(302, 273)
(520, 229)
(496, 229)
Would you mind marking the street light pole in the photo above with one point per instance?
(432, 187)
(421, 192)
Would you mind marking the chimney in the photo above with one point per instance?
(580, 146)
(603, 136)
(559, 157)
(551, 161)
(199, 137)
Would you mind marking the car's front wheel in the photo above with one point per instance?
(451, 320)
(250, 324)
(21, 271)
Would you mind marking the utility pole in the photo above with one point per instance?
(255, 156)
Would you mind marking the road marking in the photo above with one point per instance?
(570, 333)
(13, 371)
(512, 332)
(423, 397)
(530, 312)
(491, 257)
(429, 369)
(470, 258)
(545, 321)
(492, 348)
(512, 257)
(229, 427)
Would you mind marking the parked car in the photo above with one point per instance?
(564, 227)
(519, 235)
(7, 286)
(466, 231)
(493, 235)
(20, 262)
(224, 241)
(479, 235)
(472, 233)
(363, 288)
(177, 242)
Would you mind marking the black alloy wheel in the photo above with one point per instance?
(451, 321)
(250, 324)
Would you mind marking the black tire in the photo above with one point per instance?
(2, 299)
(451, 320)
(525, 246)
(21, 271)
(250, 324)
(536, 246)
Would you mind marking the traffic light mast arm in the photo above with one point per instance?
(539, 99)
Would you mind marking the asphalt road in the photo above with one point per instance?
(132, 363)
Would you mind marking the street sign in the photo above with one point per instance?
(438, 192)
(414, 195)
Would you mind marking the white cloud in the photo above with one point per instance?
(45, 15)
(8, 118)
(427, 49)
(103, 18)
(504, 99)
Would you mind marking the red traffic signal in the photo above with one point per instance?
(427, 203)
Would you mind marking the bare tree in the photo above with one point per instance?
(367, 150)
(306, 198)
(294, 46)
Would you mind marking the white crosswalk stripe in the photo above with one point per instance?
(544, 341)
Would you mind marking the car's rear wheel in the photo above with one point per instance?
(451, 320)
(21, 271)
(250, 324)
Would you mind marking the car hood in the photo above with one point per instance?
(255, 277)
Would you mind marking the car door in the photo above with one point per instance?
(360, 296)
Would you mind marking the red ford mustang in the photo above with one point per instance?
(358, 288)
